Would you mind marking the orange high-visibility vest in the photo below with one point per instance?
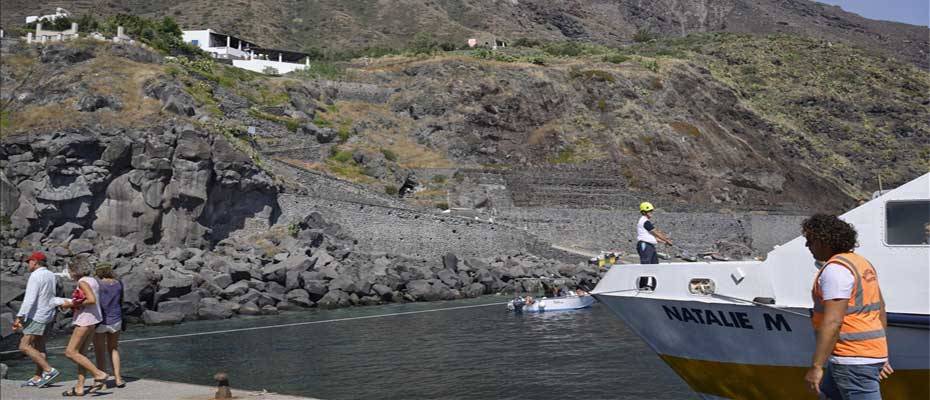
(862, 333)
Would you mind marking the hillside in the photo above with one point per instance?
(339, 26)
(706, 122)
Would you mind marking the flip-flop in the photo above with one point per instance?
(73, 393)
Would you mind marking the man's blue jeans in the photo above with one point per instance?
(851, 382)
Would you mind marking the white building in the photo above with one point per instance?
(59, 13)
(246, 55)
(218, 44)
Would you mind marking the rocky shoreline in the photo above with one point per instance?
(308, 264)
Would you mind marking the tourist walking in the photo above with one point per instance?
(647, 235)
(851, 353)
(86, 317)
(106, 338)
(35, 318)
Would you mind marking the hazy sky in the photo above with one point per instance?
(915, 12)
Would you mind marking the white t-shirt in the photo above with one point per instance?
(643, 234)
(836, 282)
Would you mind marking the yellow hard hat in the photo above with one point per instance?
(646, 206)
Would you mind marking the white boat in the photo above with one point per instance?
(741, 329)
(563, 303)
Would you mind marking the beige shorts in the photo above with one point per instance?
(101, 328)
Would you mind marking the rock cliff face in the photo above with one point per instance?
(175, 185)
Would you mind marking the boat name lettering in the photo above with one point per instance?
(729, 319)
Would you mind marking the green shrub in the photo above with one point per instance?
(526, 42)
(344, 133)
(269, 70)
(643, 35)
(390, 189)
(538, 60)
(389, 155)
(591, 74)
(293, 229)
(59, 24)
(442, 205)
(342, 156)
(616, 58)
(423, 43)
(563, 49)
(439, 179)
(651, 65)
(321, 70)
(322, 123)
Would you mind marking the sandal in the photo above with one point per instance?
(121, 385)
(73, 393)
(99, 384)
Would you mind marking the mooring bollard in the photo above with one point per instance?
(222, 386)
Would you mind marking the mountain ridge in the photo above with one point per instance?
(337, 25)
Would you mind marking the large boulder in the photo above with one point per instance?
(236, 289)
(188, 309)
(211, 308)
(67, 231)
(422, 290)
(450, 261)
(473, 290)
(161, 318)
(299, 297)
(449, 278)
(315, 288)
(78, 246)
(249, 308)
(11, 287)
(334, 299)
(6, 325)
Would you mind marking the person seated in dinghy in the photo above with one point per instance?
(579, 292)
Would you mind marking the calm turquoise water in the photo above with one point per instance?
(473, 353)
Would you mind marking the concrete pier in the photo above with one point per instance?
(138, 389)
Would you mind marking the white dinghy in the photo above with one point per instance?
(563, 303)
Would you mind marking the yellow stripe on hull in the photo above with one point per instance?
(746, 381)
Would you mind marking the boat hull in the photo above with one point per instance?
(717, 348)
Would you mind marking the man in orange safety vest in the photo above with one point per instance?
(851, 353)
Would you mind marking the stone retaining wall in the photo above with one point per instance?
(418, 233)
(615, 230)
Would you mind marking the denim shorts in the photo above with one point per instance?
(851, 382)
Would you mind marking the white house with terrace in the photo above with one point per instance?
(246, 55)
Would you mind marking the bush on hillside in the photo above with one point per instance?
(164, 35)
(643, 35)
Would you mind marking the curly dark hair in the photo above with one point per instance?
(839, 235)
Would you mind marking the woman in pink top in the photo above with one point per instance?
(85, 319)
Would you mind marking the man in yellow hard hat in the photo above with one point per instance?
(647, 235)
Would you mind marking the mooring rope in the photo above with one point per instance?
(255, 328)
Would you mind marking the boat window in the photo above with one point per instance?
(702, 286)
(646, 283)
(907, 222)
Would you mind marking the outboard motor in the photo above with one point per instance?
(516, 304)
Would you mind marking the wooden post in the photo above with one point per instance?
(222, 386)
